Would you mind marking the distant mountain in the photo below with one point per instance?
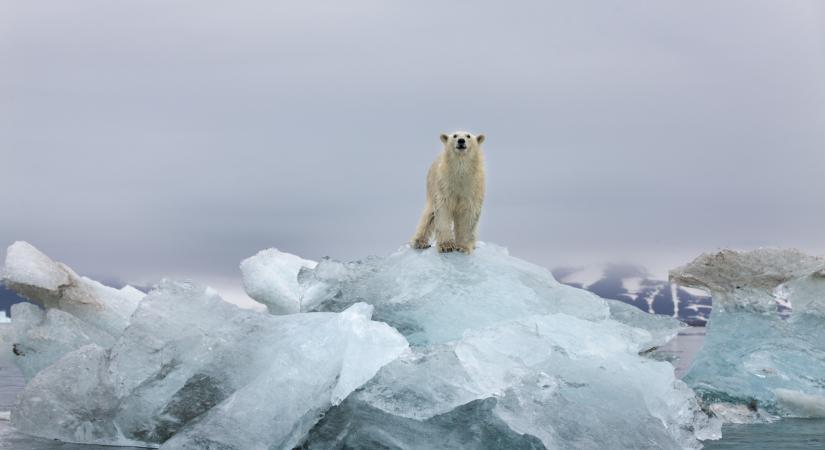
(632, 285)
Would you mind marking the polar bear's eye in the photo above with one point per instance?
(468, 136)
(455, 136)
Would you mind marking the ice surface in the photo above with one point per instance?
(54, 285)
(27, 266)
(434, 298)
(356, 425)
(271, 278)
(661, 328)
(754, 355)
(40, 338)
(6, 344)
(217, 375)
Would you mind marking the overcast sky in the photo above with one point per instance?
(147, 138)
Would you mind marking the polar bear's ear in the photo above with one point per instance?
(480, 138)
(444, 138)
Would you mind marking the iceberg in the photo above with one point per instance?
(413, 350)
(501, 350)
(765, 342)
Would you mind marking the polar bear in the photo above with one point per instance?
(455, 192)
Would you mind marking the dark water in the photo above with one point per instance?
(12, 440)
(790, 434)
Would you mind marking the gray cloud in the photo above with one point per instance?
(148, 138)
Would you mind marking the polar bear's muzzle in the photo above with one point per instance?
(461, 144)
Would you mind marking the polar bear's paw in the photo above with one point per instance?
(447, 246)
(421, 243)
(465, 248)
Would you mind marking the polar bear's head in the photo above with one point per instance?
(462, 142)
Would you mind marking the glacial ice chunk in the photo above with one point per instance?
(271, 277)
(545, 378)
(41, 337)
(661, 328)
(27, 266)
(196, 369)
(501, 349)
(745, 280)
(71, 400)
(54, 285)
(754, 354)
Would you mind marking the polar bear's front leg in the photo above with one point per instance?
(443, 230)
(421, 240)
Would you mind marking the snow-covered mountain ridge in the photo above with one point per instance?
(632, 284)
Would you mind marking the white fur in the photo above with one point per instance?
(455, 193)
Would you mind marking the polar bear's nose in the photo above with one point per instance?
(461, 141)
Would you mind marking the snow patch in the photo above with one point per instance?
(585, 276)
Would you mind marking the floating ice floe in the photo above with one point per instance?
(756, 353)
